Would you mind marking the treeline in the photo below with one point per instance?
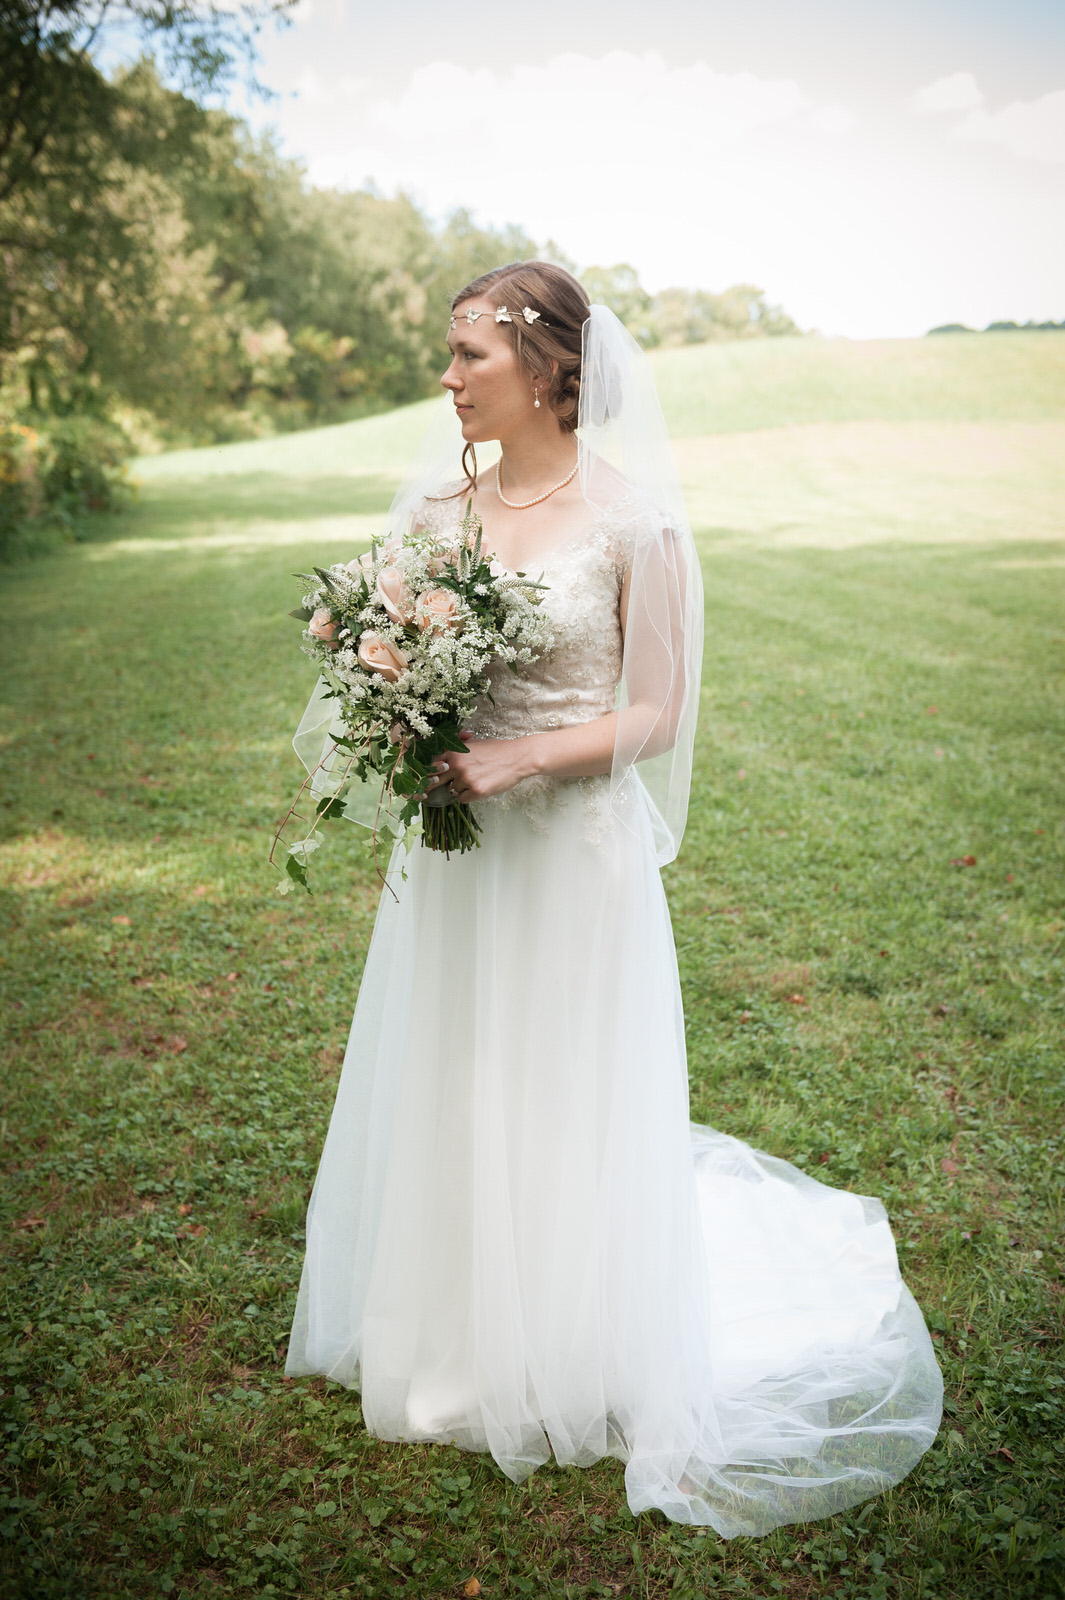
(685, 316)
(1000, 327)
(166, 277)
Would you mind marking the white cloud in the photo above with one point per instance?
(1034, 129)
(878, 225)
(958, 92)
(309, 87)
(616, 110)
(617, 157)
(834, 119)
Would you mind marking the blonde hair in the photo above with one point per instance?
(551, 345)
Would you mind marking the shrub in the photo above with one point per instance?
(20, 485)
(53, 477)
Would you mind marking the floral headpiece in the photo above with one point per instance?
(501, 315)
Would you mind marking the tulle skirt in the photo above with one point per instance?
(517, 1242)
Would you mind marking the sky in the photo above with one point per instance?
(878, 167)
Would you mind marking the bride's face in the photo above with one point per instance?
(492, 393)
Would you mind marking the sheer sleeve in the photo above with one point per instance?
(659, 690)
(626, 466)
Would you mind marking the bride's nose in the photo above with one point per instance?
(451, 379)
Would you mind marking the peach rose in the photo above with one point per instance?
(393, 595)
(438, 611)
(381, 655)
(362, 566)
(323, 627)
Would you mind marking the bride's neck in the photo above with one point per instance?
(533, 458)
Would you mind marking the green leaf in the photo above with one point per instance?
(451, 741)
(444, 737)
(297, 872)
(409, 781)
(303, 849)
(301, 614)
(330, 806)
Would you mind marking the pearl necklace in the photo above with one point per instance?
(523, 505)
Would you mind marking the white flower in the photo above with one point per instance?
(529, 314)
(503, 315)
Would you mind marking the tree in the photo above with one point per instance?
(695, 316)
(684, 316)
(90, 228)
(108, 286)
(50, 87)
(463, 251)
(619, 288)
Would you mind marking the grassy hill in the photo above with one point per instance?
(776, 383)
(869, 926)
(779, 441)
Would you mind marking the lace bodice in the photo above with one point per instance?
(576, 680)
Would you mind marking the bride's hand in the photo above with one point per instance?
(489, 766)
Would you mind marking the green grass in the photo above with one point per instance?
(883, 699)
(774, 383)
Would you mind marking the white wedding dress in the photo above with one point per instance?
(517, 1242)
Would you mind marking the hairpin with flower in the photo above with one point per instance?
(501, 315)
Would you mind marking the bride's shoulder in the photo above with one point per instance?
(441, 507)
(628, 517)
(621, 501)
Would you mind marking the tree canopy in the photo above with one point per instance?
(166, 275)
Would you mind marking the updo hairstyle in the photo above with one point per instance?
(555, 336)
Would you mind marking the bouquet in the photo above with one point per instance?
(405, 638)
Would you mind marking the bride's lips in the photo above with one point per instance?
(460, 409)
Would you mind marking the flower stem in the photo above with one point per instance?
(451, 827)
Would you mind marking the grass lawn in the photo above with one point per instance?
(870, 925)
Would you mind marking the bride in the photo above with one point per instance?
(516, 1240)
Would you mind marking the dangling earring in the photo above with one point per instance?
(536, 399)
